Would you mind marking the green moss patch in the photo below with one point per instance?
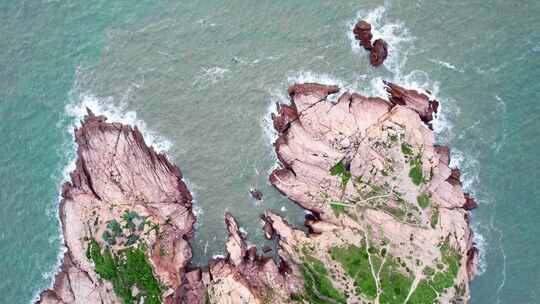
(439, 281)
(337, 209)
(423, 200)
(415, 173)
(434, 217)
(340, 169)
(355, 262)
(126, 269)
(318, 287)
(406, 149)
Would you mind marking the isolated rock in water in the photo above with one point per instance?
(266, 248)
(379, 52)
(256, 194)
(362, 33)
(378, 187)
(122, 196)
(268, 230)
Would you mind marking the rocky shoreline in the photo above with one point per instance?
(388, 218)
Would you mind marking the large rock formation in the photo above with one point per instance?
(122, 195)
(390, 223)
(388, 218)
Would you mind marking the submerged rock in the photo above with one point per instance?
(256, 194)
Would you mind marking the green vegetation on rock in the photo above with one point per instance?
(126, 269)
(434, 217)
(429, 289)
(423, 200)
(395, 282)
(423, 294)
(355, 262)
(341, 170)
(318, 287)
(337, 209)
(406, 149)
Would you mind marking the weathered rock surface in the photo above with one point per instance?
(381, 194)
(362, 33)
(118, 175)
(246, 277)
(419, 102)
(388, 221)
(379, 52)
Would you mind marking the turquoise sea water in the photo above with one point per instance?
(200, 77)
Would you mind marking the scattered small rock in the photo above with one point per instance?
(256, 194)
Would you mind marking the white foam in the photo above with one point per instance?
(210, 75)
(501, 107)
(481, 244)
(270, 134)
(503, 254)
(447, 65)
(114, 113)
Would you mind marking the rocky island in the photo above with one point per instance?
(387, 223)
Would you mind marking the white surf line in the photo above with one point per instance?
(503, 270)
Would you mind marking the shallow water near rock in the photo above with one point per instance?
(203, 77)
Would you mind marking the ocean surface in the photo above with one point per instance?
(201, 78)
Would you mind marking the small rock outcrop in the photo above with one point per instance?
(256, 194)
(418, 102)
(379, 52)
(378, 49)
(362, 33)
